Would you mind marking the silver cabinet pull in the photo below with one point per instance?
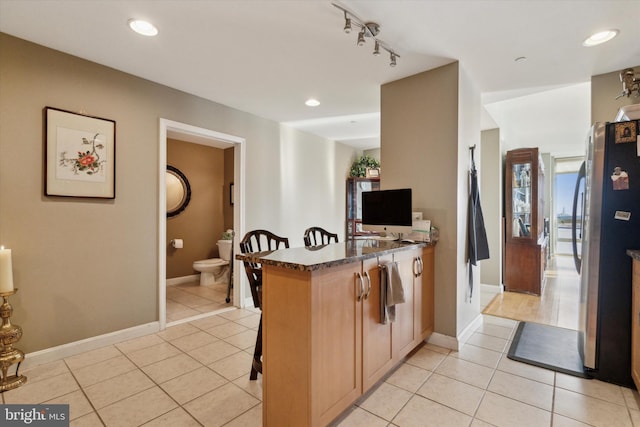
(416, 268)
(366, 274)
(361, 280)
(421, 265)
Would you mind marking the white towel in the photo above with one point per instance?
(391, 291)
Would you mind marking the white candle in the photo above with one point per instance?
(6, 273)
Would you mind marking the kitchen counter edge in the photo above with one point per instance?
(326, 256)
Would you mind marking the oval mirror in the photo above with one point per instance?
(178, 191)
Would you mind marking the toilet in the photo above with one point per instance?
(215, 270)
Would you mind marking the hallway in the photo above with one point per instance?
(558, 305)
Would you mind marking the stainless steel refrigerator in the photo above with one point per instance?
(608, 194)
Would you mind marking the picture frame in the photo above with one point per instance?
(626, 132)
(80, 156)
(372, 173)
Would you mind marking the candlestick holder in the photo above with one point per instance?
(9, 335)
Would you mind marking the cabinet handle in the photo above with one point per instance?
(361, 280)
(366, 274)
(417, 262)
(421, 265)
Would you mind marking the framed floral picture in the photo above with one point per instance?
(80, 158)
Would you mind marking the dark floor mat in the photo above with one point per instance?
(548, 347)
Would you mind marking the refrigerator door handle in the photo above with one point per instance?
(574, 242)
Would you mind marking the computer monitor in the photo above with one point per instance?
(387, 211)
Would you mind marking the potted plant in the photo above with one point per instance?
(365, 166)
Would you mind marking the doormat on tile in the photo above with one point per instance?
(548, 347)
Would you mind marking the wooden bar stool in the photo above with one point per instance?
(316, 236)
(258, 241)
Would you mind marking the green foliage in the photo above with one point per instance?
(359, 167)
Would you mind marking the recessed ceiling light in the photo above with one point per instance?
(143, 27)
(599, 38)
(312, 102)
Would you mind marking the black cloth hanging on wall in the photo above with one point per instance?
(478, 246)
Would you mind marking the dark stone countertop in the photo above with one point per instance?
(635, 254)
(319, 257)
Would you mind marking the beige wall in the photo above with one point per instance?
(201, 224)
(87, 267)
(427, 125)
(604, 90)
(490, 172)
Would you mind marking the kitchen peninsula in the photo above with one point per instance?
(324, 345)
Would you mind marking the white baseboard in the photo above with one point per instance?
(466, 333)
(455, 343)
(71, 349)
(496, 289)
(442, 340)
(184, 279)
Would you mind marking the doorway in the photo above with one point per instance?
(207, 137)
(560, 300)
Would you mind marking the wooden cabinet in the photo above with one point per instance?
(635, 325)
(323, 343)
(355, 188)
(526, 244)
(424, 294)
(377, 351)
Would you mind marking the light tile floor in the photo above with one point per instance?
(190, 299)
(197, 374)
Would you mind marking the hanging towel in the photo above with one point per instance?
(391, 291)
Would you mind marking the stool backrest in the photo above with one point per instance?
(259, 241)
(316, 236)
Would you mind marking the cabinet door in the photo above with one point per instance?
(524, 188)
(377, 353)
(404, 328)
(635, 325)
(424, 298)
(521, 202)
(336, 334)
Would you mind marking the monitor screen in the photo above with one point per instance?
(387, 211)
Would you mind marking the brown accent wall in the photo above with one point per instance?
(201, 224)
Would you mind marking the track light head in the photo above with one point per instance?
(376, 49)
(393, 60)
(347, 23)
(361, 40)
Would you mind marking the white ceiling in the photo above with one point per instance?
(267, 57)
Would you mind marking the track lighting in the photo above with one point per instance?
(367, 30)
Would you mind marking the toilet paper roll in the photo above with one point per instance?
(177, 243)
